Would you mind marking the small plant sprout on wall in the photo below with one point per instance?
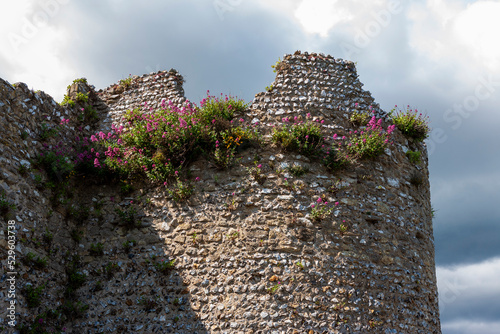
(321, 209)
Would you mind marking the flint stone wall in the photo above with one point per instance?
(249, 258)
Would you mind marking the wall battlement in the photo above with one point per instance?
(249, 257)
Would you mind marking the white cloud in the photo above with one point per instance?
(452, 34)
(471, 290)
(477, 28)
(471, 327)
(473, 279)
(32, 45)
(319, 16)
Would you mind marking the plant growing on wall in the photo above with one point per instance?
(411, 123)
(371, 142)
(413, 156)
(300, 137)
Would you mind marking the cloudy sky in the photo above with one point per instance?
(440, 56)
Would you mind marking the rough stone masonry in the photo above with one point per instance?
(248, 256)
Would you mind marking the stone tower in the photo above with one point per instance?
(249, 257)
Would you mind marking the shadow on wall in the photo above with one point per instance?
(87, 257)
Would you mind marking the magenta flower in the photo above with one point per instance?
(259, 166)
(312, 206)
(93, 138)
(336, 203)
(319, 200)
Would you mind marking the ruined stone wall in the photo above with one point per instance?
(145, 92)
(249, 257)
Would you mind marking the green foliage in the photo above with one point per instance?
(44, 323)
(127, 245)
(369, 144)
(149, 304)
(126, 83)
(35, 261)
(127, 217)
(73, 309)
(38, 181)
(411, 123)
(335, 158)
(298, 170)
(110, 268)
(272, 290)
(76, 235)
(75, 278)
(33, 295)
(82, 97)
(6, 206)
(23, 170)
(213, 108)
(343, 229)
(304, 138)
(414, 157)
(231, 140)
(47, 237)
(67, 101)
(181, 190)
(80, 213)
(158, 145)
(164, 266)
(97, 249)
(276, 66)
(257, 173)
(269, 88)
(125, 188)
(360, 118)
(46, 132)
(320, 211)
(24, 135)
(80, 80)
(88, 114)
